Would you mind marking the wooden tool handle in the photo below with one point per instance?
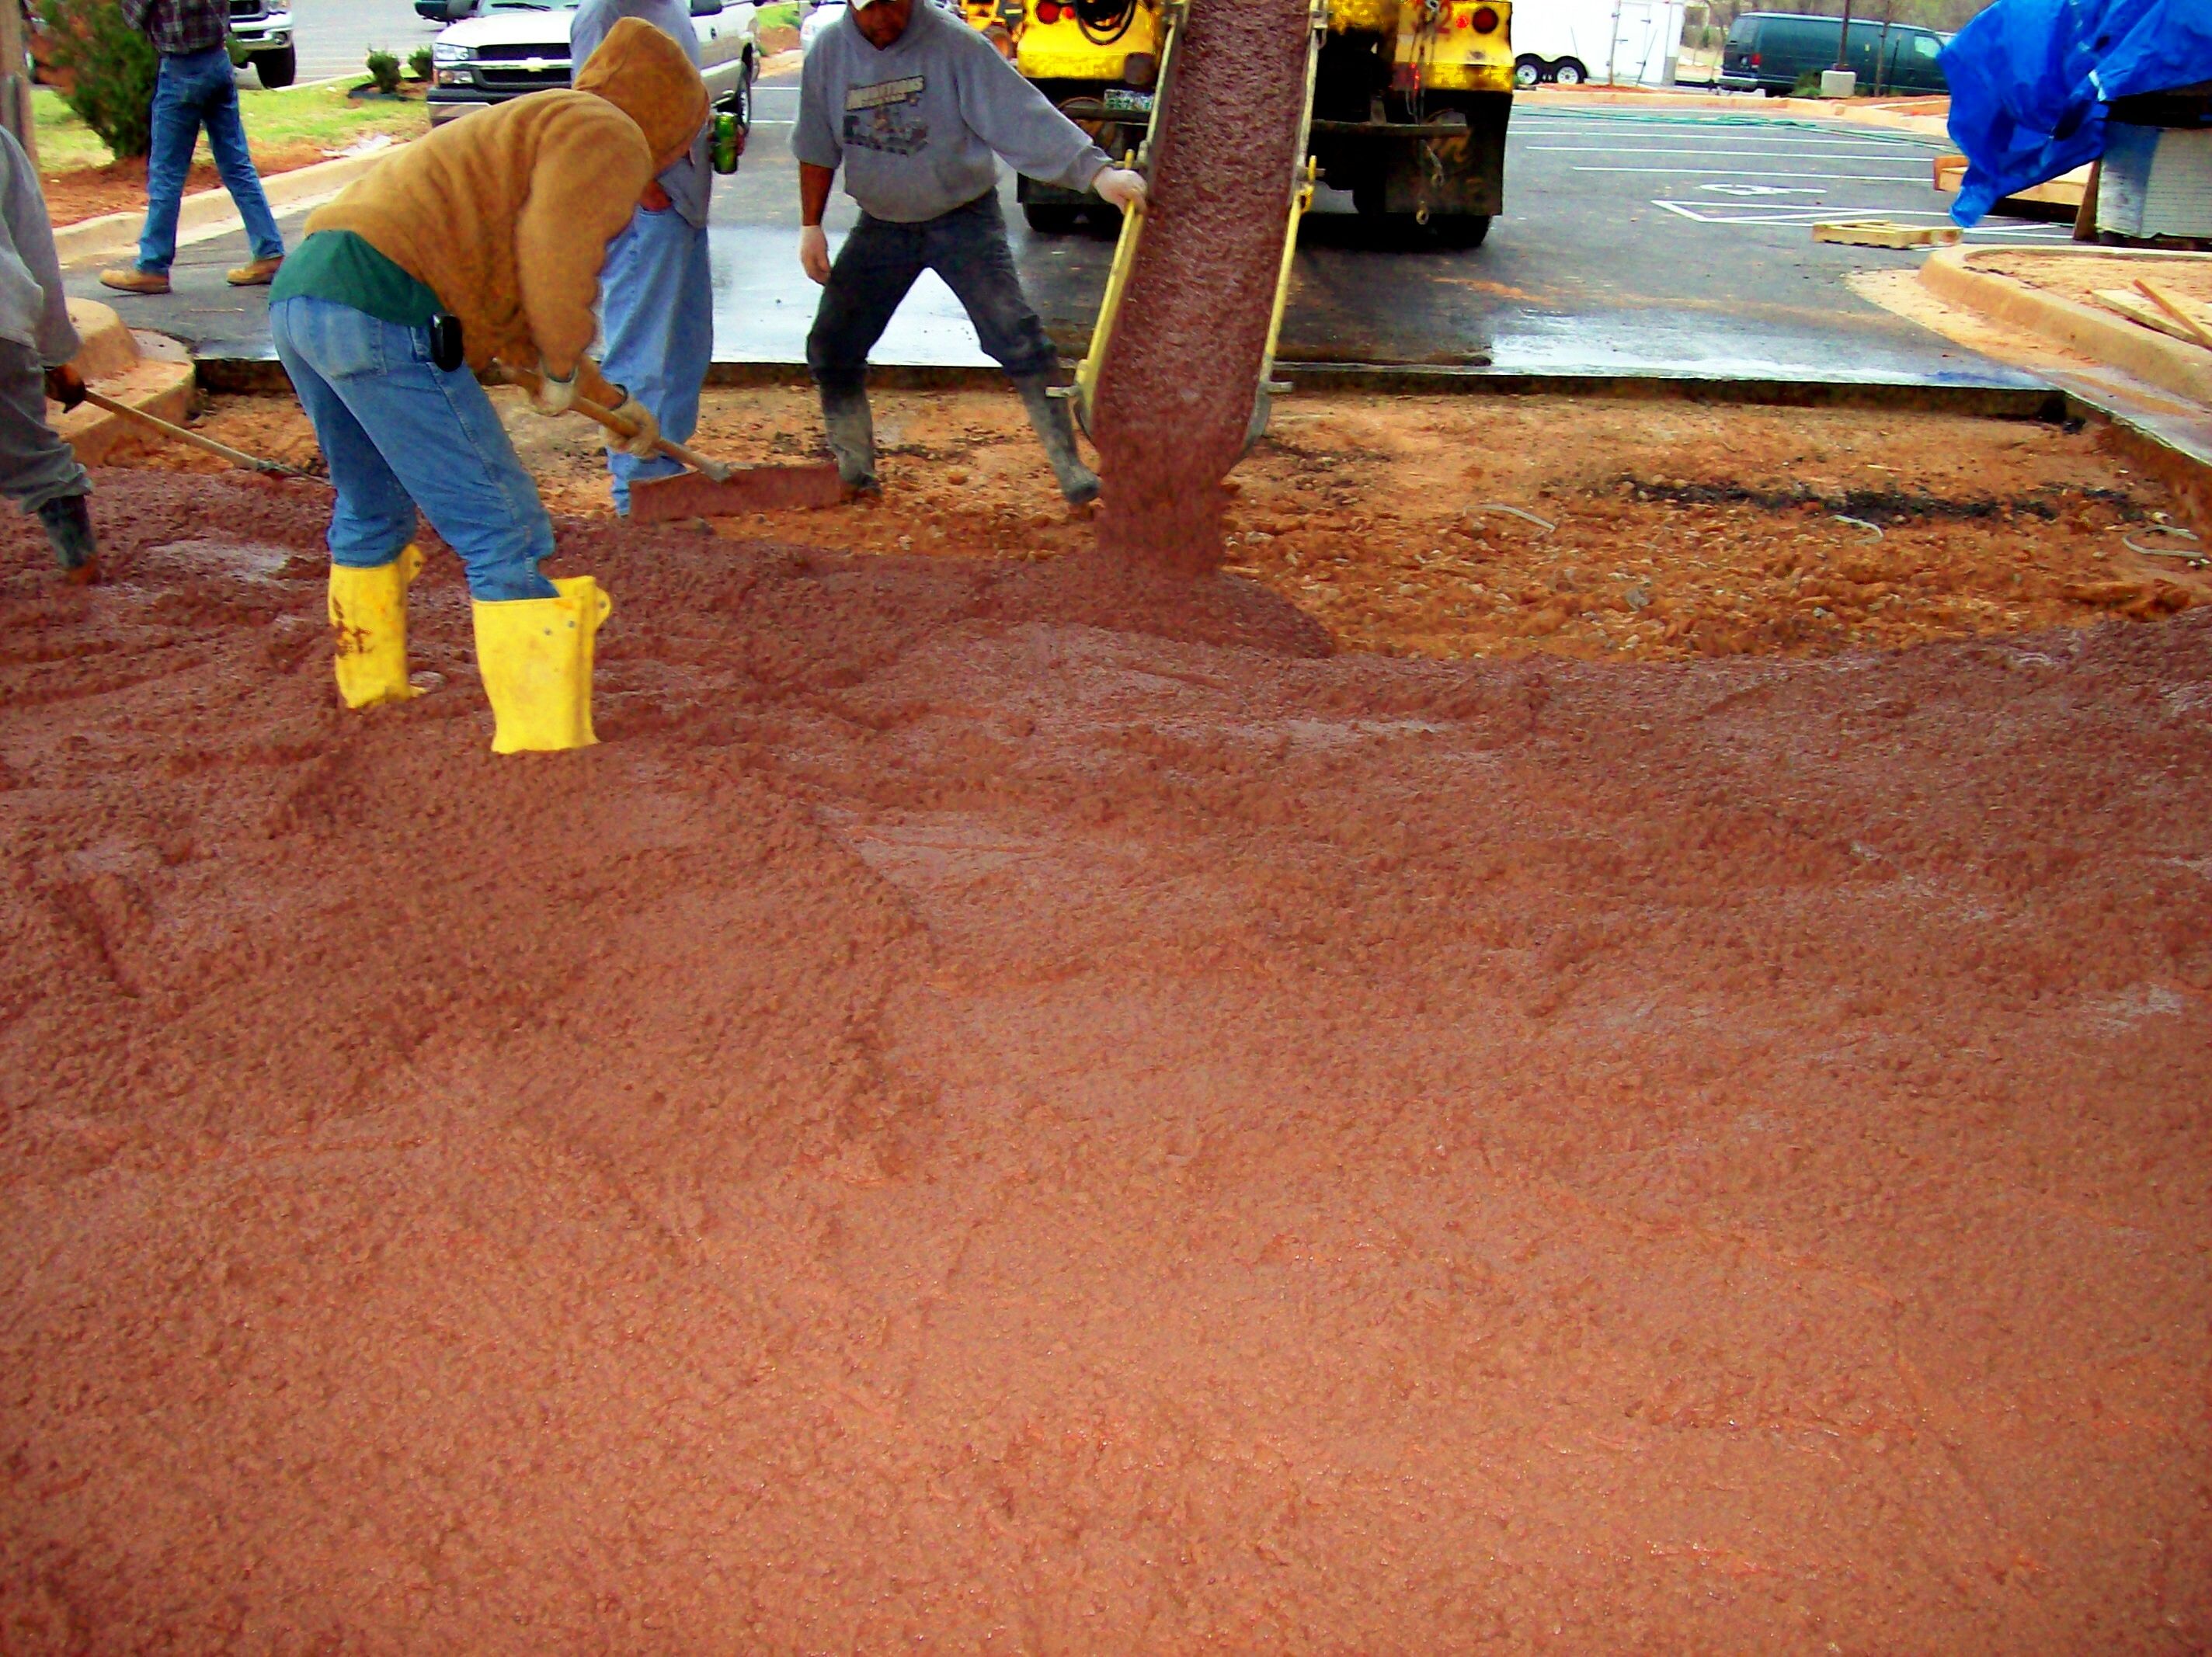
(698, 463)
(591, 410)
(178, 433)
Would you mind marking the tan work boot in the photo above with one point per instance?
(135, 280)
(260, 273)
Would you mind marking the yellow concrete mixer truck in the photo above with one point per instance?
(1410, 98)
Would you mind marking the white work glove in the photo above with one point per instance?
(553, 395)
(1122, 187)
(645, 430)
(814, 252)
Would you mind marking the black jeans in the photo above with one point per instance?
(881, 260)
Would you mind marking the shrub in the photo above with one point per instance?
(107, 68)
(384, 70)
(418, 63)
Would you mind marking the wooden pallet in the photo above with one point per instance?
(1886, 233)
(2056, 200)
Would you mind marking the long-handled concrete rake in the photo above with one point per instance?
(712, 488)
(179, 434)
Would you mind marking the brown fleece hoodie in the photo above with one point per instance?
(506, 214)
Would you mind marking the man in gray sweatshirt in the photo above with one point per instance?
(38, 468)
(919, 109)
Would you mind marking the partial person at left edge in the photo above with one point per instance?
(197, 87)
(38, 468)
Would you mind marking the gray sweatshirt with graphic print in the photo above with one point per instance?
(34, 308)
(919, 127)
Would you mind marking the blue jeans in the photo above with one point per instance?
(398, 431)
(196, 90)
(656, 303)
(881, 260)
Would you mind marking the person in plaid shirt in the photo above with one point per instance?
(197, 88)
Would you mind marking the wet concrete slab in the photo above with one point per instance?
(1633, 243)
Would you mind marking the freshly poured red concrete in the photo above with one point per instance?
(959, 1130)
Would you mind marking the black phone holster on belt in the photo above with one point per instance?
(447, 350)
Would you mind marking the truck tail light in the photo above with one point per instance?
(1048, 11)
(1486, 19)
(1754, 60)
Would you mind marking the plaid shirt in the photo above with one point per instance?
(178, 27)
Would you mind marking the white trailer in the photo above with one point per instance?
(1611, 42)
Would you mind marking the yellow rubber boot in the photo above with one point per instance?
(535, 655)
(368, 620)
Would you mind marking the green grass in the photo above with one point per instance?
(321, 116)
(783, 14)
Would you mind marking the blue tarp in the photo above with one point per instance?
(2030, 80)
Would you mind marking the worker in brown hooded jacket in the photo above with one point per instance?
(479, 244)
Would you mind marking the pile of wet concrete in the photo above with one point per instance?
(975, 1121)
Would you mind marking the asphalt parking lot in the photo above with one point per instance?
(335, 36)
(1633, 242)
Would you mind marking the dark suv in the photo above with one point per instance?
(1770, 52)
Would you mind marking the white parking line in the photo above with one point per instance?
(1787, 213)
(1779, 132)
(1757, 154)
(1801, 216)
(1742, 172)
(1729, 136)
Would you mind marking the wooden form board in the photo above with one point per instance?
(1886, 233)
(2137, 308)
(2065, 190)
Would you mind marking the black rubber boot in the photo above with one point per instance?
(68, 526)
(852, 430)
(1054, 420)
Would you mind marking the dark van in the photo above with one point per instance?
(1769, 50)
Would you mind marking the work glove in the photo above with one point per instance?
(552, 395)
(1123, 188)
(65, 385)
(814, 252)
(645, 430)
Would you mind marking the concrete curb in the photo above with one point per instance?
(148, 372)
(264, 376)
(2172, 364)
(210, 213)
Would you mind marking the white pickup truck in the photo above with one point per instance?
(509, 47)
(261, 30)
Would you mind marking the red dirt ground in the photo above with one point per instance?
(954, 1128)
(1682, 529)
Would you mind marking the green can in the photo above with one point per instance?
(729, 141)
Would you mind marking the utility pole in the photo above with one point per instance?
(15, 79)
(1844, 44)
